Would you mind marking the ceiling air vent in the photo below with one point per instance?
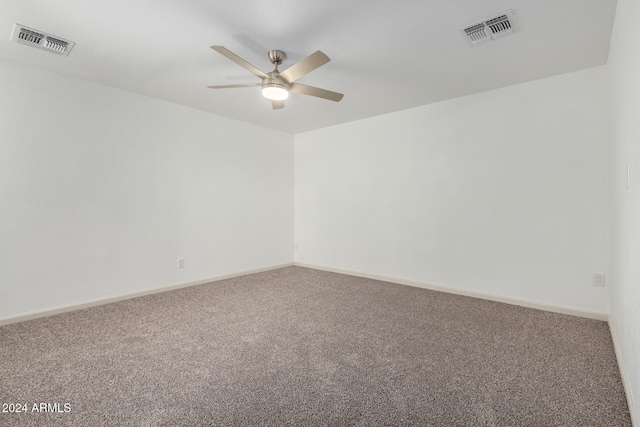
(41, 40)
(490, 29)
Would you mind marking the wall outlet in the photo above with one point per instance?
(599, 279)
(180, 262)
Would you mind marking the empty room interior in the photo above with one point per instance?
(320, 213)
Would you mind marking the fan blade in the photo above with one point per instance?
(241, 62)
(305, 66)
(316, 91)
(236, 85)
(277, 104)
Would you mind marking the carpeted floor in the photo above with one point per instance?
(297, 346)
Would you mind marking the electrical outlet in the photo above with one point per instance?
(599, 279)
(180, 262)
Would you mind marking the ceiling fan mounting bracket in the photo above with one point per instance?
(277, 57)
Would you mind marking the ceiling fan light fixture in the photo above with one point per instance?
(275, 91)
(276, 85)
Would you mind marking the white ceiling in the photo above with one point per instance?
(385, 55)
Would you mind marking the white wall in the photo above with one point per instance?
(502, 192)
(102, 190)
(624, 66)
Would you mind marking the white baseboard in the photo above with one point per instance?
(92, 303)
(633, 409)
(508, 300)
(101, 301)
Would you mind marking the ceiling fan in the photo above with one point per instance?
(276, 85)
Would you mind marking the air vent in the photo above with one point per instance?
(29, 37)
(476, 33)
(499, 25)
(56, 45)
(490, 29)
(41, 40)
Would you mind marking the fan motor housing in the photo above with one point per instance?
(275, 81)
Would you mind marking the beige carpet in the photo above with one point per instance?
(297, 346)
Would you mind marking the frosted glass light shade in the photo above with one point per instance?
(275, 92)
